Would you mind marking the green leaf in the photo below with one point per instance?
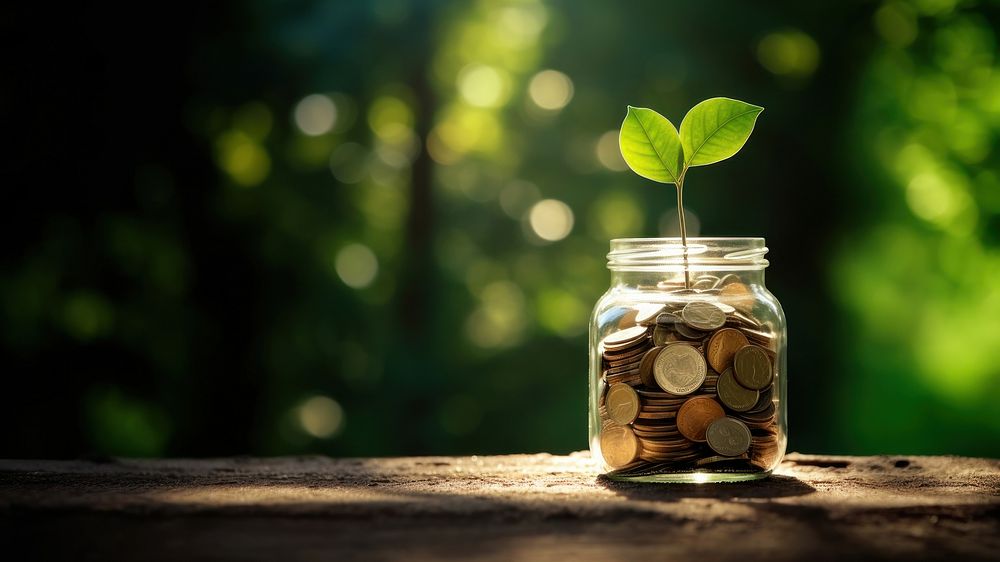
(716, 129)
(651, 146)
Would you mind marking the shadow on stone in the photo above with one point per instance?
(775, 486)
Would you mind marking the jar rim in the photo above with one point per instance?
(701, 254)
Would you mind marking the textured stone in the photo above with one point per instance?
(497, 508)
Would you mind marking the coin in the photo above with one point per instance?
(766, 399)
(679, 369)
(623, 338)
(657, 415)
(728, 437)
(667, 319)
(689, 333)
(625, 361)
(758, 425)
(619, 445)
(704, 283)
(649, 434)
(646, 367)
(734, 396)
(722, 346)
(737, 294)
(742, 320)
(627, 319)
(612, 316)
(665, 448)
(622, 403)
(752, 367)
(657, 394)
(763, 414)
(711, 460)
(660, 427)
(703, 315)
(646, 313)
(695, 415)
(624, 368)
(661, 335)
(633, 353)
(631, 379)
(760, 337)
(727, 279)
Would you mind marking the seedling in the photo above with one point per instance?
(712, 131)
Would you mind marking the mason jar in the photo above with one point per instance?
(688, 363)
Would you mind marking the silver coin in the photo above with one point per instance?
(728, 437)
(679, 369)
(703, 316)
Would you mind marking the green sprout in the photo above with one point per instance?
(712, 131)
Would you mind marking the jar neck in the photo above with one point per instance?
(666, 262)
(629, 279)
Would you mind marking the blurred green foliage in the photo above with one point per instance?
(378, 228)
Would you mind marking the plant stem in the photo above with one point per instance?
(683, 225)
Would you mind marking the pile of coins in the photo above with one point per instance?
(689, 383)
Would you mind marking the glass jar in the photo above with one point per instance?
(687, 363)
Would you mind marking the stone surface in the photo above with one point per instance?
(531, 507)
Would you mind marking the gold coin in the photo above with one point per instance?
(752, 367)
(669, 457)
(722, 346)
(631, 366)
(660, 415)
(738, 295)
(728, 437)
(619, 446)
(656, 433)
(679, 369)
(695, 415)
(631, 379)
(734, 396)
(646, 367)
(622, 403)
(703, 316)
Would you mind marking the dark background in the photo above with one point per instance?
(189, 269)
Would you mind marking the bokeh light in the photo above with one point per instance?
(321, 416)
(551, 90)
(617, 214)
(315, 114)
(482, 85)
(789, 53)
(608, 152)
(517, 197)
(499, 320)
(356, 265)
(896, 22)
(243, 159)
(551, 219)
